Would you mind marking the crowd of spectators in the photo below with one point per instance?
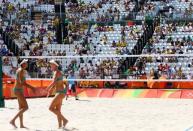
(171, 38)
(100, 10)
(30, 36)
(33, 38)
(149, 9)
(4, 51)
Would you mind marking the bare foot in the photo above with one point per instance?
(60, 127)
(65, 122)
(66, 97)
(13, 124)
(23, 127)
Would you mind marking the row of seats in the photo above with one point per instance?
(183, 62)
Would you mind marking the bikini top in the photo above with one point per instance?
(22, 79)
(59, 78)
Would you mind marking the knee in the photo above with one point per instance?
(26, 108)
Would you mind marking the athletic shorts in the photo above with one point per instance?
(72, 88)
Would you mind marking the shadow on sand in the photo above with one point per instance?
(70, 129)
(189, 129)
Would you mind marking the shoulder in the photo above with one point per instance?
(19, 70)
(55, 73)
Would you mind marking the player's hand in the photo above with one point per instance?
(48, 90)
(48, 94)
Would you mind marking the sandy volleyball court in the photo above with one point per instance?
(99, 114)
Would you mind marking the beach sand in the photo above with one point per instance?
(103, 114)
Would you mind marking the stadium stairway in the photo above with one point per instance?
(137, 50)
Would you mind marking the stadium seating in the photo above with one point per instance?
(89, 33)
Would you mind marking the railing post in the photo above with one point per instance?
(2, 102)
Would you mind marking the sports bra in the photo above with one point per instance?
(59, 78)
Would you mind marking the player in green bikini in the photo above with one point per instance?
(56, 103)
(18, 91)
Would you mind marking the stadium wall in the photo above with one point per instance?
(185, 91)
